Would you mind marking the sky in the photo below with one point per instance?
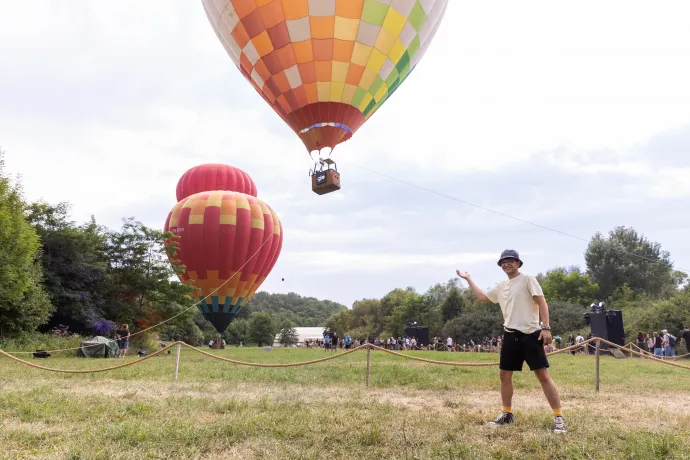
(574, 116)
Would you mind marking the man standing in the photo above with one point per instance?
(522, 303)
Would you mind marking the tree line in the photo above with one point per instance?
(55, 272)
(623, 269)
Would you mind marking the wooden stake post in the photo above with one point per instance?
(596, 358)
(177, 360)
(368, 364)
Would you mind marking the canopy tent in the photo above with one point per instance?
(303, 333)
(98, 347)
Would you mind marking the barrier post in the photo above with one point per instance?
(368, 364)
(596, 358)
(177, 360)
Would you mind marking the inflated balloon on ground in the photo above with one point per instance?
(213, 176)
(228, 242)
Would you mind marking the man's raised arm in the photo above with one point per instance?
(478, 293)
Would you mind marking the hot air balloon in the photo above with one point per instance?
(212, 176)
(228, 242)
(325, 66)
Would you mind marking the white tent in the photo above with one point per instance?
(303, 333)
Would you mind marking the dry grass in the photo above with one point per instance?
(218, 410)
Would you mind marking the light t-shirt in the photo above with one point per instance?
(520, 310)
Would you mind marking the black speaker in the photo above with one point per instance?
(421, 333)
(607, 324)
(597, 324)
(614, 323)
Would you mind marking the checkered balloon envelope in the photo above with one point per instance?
(325, 66)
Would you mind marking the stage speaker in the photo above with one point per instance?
(614, 323)
(421, 333)
(597, 324)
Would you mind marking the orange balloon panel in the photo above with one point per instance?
(325, 66)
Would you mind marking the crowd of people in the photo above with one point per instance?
(663, 344)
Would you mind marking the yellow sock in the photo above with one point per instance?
(506, 409)
(558, 412)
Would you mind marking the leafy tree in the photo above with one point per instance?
(453, 305)
(569, 285)
(23, 304)
(288, 334)
(339, 322)
(626, 257)
(303, 311)
(565, 317)
(237, 332)
(74, 266)
(261, 328)
(139, 275)
(475, 323)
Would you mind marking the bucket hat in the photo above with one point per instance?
(510, 254)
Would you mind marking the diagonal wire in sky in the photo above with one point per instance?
(649, 259)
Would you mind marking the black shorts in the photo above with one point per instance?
(519, 348)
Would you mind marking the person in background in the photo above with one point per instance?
(641, 342)
(658, 349)
(122, 336)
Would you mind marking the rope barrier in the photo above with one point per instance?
(320, 360)
(647, 353)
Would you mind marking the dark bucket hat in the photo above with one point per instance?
(510, 254)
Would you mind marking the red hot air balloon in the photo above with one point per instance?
(209, 177)
(228, 242)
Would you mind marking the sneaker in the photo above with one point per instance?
(506, 418)
(559, 425)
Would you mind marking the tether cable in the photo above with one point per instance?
(483, 208)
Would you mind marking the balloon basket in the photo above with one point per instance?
(325, 180)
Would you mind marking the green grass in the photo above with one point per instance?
(411, 410)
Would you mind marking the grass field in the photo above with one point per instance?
(411, 410)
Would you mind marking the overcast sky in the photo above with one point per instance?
(571, 115)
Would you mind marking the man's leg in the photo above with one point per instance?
(506, 388)
(548, 387)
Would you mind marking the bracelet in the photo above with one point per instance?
(546, 328)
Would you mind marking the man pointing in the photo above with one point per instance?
(522, 303)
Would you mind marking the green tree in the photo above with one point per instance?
(565, 317)
(139, 275)
(74, 265)
(262, 329)
(237, 332)
(475, 323)
(625, 257)
(303, 311)
(339, 322)
(23, 304)
(569, 285)
(288, 334)
(452, 305)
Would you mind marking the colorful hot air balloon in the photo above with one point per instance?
(325, 66)
(208, 177)
(229, 243)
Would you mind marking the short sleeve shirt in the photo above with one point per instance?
(515, 296)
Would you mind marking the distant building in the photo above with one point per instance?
(303, 333)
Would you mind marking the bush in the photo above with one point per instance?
(32, 341)
(144, 341)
